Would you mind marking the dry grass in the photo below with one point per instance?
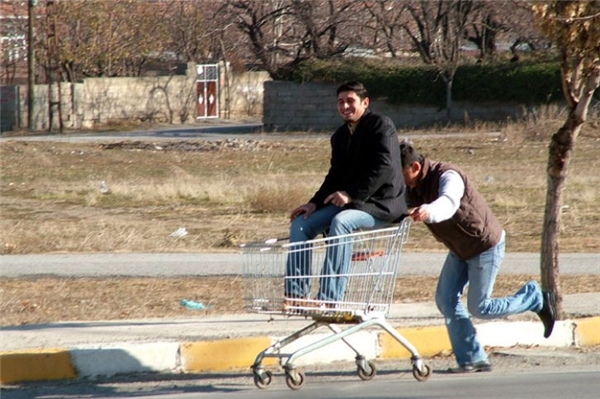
(51, 200)
(47, 299)
(225, 193)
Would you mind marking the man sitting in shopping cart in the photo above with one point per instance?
(457, 215)
(363, 189)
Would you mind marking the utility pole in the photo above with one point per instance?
(31, 65)
(54, 78)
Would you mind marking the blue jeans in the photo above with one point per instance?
(480, 274)
(338, 257)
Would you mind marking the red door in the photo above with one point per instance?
(201, 99)
(211, 99)
(207, 91)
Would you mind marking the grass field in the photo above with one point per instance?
(228, 192)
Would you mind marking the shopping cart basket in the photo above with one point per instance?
(373, 258)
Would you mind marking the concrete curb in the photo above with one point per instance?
(239, 353)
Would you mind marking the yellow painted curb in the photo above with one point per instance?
(237, 353)
(587, 331)
(429, 341)
(36, 365)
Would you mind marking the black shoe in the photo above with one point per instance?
(481, 366)
(548, 312)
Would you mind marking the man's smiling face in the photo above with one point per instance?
(351, 107)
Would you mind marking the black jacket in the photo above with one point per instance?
(366, 164)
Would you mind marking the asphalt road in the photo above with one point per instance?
(207, 264)
(215, 129)
(525, 373)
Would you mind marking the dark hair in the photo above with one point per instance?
(409, 155)
(357, 87)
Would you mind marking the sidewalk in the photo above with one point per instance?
(206, 344)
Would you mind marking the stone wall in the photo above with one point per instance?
(165, 99)
(312, 107)
(96, 102)
(245, 94)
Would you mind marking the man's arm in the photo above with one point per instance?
(451, 190)
(330, 182)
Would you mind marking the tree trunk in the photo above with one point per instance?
(558, 160)
(449, 99)
(559, 156)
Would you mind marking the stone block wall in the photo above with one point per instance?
(245, 94)
(96, 102)
(165, 99)
(292, 106)
(312, 107)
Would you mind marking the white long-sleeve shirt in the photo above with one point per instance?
(451, 190)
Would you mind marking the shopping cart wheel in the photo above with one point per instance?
(367, 373)
(263, 381)
(421, 375)
(294, 379)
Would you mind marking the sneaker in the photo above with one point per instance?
(483, 365)
(548, 313)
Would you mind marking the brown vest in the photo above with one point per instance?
(473, 229)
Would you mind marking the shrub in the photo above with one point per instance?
(525, 83)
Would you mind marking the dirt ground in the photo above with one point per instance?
(47, 299)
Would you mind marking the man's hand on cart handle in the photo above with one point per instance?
(419, 214)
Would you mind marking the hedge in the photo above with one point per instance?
(524, 83)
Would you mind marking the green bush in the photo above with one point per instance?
(525, 83)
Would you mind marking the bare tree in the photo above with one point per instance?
(574, 27)
(484, 28)
(387, 21)
(13, 46)
(190, 38)
(262, 23)
(201, 32)
(522, 32)
(436, 30)
(104, 38)
(321, 25)
(283, 33)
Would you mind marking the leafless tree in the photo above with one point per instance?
(102, 38)
(263, 23)
(200, 32)
(190, 38)
(574, 27)
(282, 33)
(437, 29)
(485, 26)
(522, 33)
(13, 46)
(387, 23)
(322, 23)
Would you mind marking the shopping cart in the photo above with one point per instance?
(374, 257)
